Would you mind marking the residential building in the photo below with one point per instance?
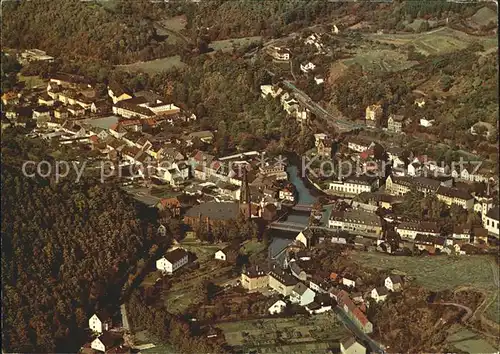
(10, 98)
(401, 185)
(461, 232)
(278, 307)
(270, 90)
(227, 254)
(278, 53)
(483, 129)
(129, 109)
(393, 283)
(420, 102)
(429, 242)
(318, 80)
(379, 294)
(306, 237)
(348, 280)
(106, 341)
(172, 261)
(409, 230)
(354, 313)
(356, 221)
(307, 67)
(41, 112)
(491, 223)
(426, 123)
(354, 185)
(31, 55)
(302, 295)
(395, 123)
(282, 281)
(287, 193)
(100, 322)
(351, 346)
(373, 115)
(456, 196)
(118, 93)
(61, 113)
(359, 144)
(254, 277)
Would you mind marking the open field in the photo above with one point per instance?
(184, 291)
(381, 60)
(154, 66)
(436, 273)
(441, 273)
(484, 16)
(227, 44)
(252, 247)
(176, 24)
(204, 252)
(284, 335)
(467, 341)
(438, 41)
(32, 81)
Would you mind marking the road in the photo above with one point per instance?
(374, 346)
(339, 124)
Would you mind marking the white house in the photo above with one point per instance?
(220, 255)
(172, 261)
(100, 322)
(307, 67)
(393, 283)
(271, 90)
(305, 237)
(490, 221)
(302, 295)
(277, 307)
(335, 29)
(426, 123)
(105, 342)
(351, 346)
(348, 282)
(319, 80)
(379, 294)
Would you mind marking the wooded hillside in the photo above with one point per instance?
(66, 251)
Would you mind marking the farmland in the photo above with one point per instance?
(441, 273)
(154, 66)
(380, 60)
(228, 44)
(284, 335)
(438, 41)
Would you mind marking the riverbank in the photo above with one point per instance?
(313, 189)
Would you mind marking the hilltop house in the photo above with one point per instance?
(100, 322)
(395, 123)
(393, 283)
(270, 90)
(106, 342)
(172, 261)
(373, 115)
(379, 294)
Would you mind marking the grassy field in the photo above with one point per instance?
(380, 60)
(438, 41)
(227, 44)
(252, 247)
(467, 341)
(154, 66)
(284, 335)
(484, 16)
(204, 252)
(436, 273)
(32, 81)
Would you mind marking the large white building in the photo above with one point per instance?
(354, 185)
(409, 230)
(491, 223)
(100, 322)
(302, 295)
(172, 261)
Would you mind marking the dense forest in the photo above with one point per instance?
(121, 33)
(66, 251)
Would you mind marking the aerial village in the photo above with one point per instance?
(296, 214)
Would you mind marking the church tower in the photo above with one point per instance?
(245, 197)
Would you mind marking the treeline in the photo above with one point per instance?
(120, 33)
(186, 337)
(66, 251)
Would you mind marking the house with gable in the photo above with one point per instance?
(393, 283)
(100, 322)
(302, 295)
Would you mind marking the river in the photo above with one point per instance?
(281, 239)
